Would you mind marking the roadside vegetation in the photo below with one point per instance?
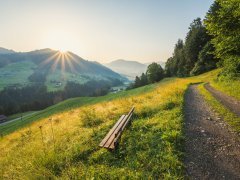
(232, 119)
(230, 87)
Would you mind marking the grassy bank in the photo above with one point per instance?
(232, 119)
(230, 87)
(227, 86)
(62, 141)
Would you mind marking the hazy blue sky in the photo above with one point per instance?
(102, 30)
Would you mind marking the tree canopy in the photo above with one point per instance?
(223, 24)
(154, 73)
(193, 57)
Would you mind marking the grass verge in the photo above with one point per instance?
(232, 119)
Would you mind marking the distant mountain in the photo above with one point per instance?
(50, 67)
(130, 69)
(6, 51)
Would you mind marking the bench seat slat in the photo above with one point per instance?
(103, 142)
(112, 145)
(112, 137)
(115, 133)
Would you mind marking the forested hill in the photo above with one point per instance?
(35, 80)
(46, 62)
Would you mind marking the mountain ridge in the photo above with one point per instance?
(52, 68)
(6, 51)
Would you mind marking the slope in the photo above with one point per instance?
(63, 143)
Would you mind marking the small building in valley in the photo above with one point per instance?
(58, 84)
(3, 118)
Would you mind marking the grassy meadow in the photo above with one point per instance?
(63, 77)
(63, 143)
(16, 74)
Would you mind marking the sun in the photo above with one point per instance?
(63, 51)
(60, 39)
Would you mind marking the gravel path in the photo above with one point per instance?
(228, 101)
(212, 151)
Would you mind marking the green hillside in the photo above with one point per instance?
(69, 148)
(50, 67)
(71, 104)
(16, 74)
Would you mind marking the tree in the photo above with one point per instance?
(206, 61)
(195, 55)
(196, 39)
(137, 82)
(154, 73)
(175, 65)
(144, 80)
(222, 22)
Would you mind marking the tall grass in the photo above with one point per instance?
(150, 147)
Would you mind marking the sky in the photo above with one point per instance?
(100, 30)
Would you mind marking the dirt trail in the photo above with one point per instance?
(212, 151)
(229, 102)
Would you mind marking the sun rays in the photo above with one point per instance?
(62, 60)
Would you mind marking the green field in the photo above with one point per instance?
(16, 74)
(63, 77)
(66, 145)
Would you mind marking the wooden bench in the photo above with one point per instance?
(112, 138)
